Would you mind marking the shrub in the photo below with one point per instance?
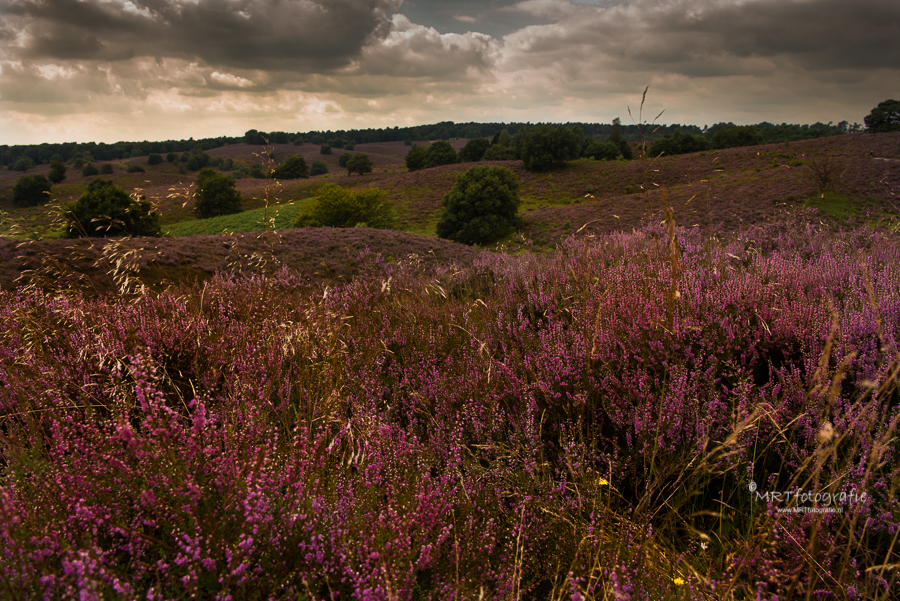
(733, 137)
(679, 143)
(360, 163)
(545, 147)
(228, 165)
(325, 149)
(172, 157)
(216, 195)
(601, 151)
(441, 153)
(474, 150)
(106, 210)
(499, 153)
(481, 207)
(106, 169)
(825, 172)
(884, 117)
(57, 171)
(415, 158)
(136, 169)
(293, 167)
(336, 206)
(23, 164)
(342, 160)
(318, 168)
(154, 158)
(31, 190)
(90, 170)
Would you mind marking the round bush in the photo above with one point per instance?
(136, 169)
(154, 158)
(89, 170)
(360, 163)
(31, 190)
(481, 207)
(293, 167)
(216, 195)
(57, 171)
(336, 206)
(318, 168)
(106, 210)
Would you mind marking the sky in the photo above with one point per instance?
(111, 70)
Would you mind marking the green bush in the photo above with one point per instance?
(601, 151)
(172, 157)
(106, 210)
(499, 153)
(679, 143)
(545, 147)
(293, 167)
(57, 171)
(216, 195)
(31, 190)
(474, 150)
(360, 163)
(318, 168)
(441, 153)
(23, 164)
(481, 207)
(106, 169)
(90, 170)
(325, 149)
(733, 137)
(416, 157)
(342, 160)
(336, 206)
(154, 158)
(136, 169)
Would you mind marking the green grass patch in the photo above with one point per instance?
(280, 216)
(839, 206)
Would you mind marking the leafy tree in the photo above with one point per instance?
(216, 195)
(23, 164)
(154, 158)
(884, 117)
(106, 169)
(502, 138)
(600, 151)
(325, 149)
(228, 165)
(293, 167)
(360, 163)
(31, 190)
(474, 150)
(679, 143)
(481, 207)
(136, 169)
(336, 206)
(89, 170)
(733, 137)
(441, 153)
(172, 157)
(546, 147)
(318, 168)
(342, 160)
(496, 152)
(416, 157)
(106, 210)
(254, 137)
(57, 171)
(615, 136)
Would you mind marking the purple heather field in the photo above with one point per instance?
(661, 414)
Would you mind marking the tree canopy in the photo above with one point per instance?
(31, 190)
(481, 207)
(293, 167)
(216, 195)
(884, 117)
(359, 163)
(336, 206)
(107, 210)
(544, 147)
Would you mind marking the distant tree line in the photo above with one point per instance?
(345, 139)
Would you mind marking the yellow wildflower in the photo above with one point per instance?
(602, 482)
(679, 582)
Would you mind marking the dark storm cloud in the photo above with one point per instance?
(308, 34)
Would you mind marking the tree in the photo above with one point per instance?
(679, 143)
(31, 190)
(441, 153)
(90, 170)
(360, 163)
(615, 136)
(57, 171)
(481, 207)
(293, 167)
(416, 157)
(342, 160)
(545, 147)
(254, 137)
(154, 158)
(884, 117)
(216, 195)
(172, 157)
(135, 169)
(106, 210)
(336, 206)
(106, 169)
(23, 164)
(325, 149)
(496, 152)
(733, 137)
(600, 151)
(474, 150)
(318, 168)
